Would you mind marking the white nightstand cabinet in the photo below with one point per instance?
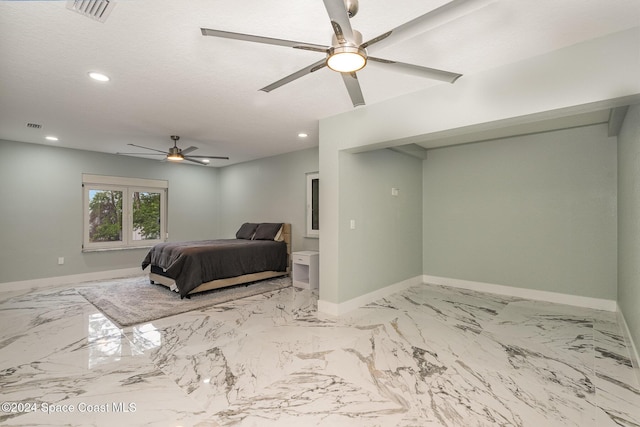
(306, 267)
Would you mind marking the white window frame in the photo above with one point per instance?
(311, 232)
(128, 186)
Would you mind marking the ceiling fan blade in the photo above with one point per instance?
(147, 148)
(417, 70)
(144, 154)
(260, 39)
(353, 87)
(435, 18)
(306, 70)
(188, 150)
(375, 40)
(208, 157)
(339, 20)
(192, 160)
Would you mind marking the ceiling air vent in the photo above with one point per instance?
(94, 9)
(34, 126)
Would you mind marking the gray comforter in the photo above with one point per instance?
(193, 263)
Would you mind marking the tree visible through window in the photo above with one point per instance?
(146, 215)
(105, 216)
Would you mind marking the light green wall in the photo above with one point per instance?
(590, 76)
(41, 208)
(386, 246)
(536, 212)
(629, 221)
(272, 189)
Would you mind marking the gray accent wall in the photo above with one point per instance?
(272, 189)
(385, 247)
(536, 212)
(41, 208)
(629, 221)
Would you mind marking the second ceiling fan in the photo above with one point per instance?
(177, 154)
(348, 54)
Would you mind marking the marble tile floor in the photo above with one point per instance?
(427, 356)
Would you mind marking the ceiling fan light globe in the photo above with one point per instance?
(346, 59)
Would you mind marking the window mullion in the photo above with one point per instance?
(127, 217)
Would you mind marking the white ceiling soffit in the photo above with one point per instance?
(506, 131)
(616, 118)
(413, 150)
(167, 79)
(496, 131)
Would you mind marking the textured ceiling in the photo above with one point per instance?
(168, 79)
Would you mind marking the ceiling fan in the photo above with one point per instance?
(176, 154)
(348, 54)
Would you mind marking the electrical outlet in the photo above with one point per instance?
(395, 191)
(352, 224)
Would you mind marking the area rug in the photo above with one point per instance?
(132, 301)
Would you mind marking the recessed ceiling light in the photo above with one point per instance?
(51, 138)
(302, 135)
(99, 76)
(205, 160)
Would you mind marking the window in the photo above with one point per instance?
(123, 212)
(313, 204)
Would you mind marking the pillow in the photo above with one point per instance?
(246, 231)
(280, 236)
(267, 231)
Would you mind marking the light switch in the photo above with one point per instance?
(352, 224)
(395, 191)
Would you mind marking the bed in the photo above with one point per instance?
(259, 251)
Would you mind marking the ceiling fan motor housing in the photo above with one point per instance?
(349, 51)
(357, 40)
(175, 153)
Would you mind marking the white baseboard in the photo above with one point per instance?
(555, 297)
(628, 340)
(334, 309)
(50, 282)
